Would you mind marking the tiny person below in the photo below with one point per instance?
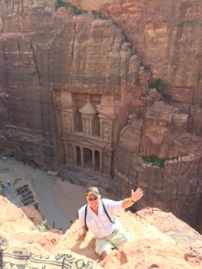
(99, 217)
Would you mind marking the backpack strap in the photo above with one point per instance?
(86, 208)
(105, 210)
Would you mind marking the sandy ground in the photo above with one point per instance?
(58, 200)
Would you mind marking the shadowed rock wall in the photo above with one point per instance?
(146, 54)
(44, 51)
(166, 36)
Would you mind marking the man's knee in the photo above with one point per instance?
(104, 254)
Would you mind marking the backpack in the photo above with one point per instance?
(105, 210)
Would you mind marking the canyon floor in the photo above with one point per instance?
(57, 200)
(160, 239)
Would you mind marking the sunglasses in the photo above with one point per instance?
(92, 199)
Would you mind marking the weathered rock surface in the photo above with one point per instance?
(44, 51)
(141, 64)
(163, 134)
(166, 35)
(161, 241)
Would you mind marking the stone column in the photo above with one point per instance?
(66, 152)
(72, 122)
(83, 125)
(91, 128)
(111, 131)
(106, 169)
(101, 156)
(110, 162)
(87, 127)
(93, 160)
(101, 129)
(82, 159)
(75, 156)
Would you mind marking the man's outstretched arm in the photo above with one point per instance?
(135, 196)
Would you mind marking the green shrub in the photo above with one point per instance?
(154, 161)
(97, 16)
(76, 11)
(159, 85)
(60, 3)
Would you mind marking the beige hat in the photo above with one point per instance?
(92, 190)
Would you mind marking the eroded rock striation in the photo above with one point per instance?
(109, 86)
(161, 241)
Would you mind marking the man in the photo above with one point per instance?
(98, 216)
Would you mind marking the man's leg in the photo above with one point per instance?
(121, 256)
(103, 247)
(120, 237)
(104, 254)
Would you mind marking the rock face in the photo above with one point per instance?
(161, 241)
(116, 89)
(173, 175)
(49, 66)
(165, 35)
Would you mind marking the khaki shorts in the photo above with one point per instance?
(114, 240)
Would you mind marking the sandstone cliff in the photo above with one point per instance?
(161, 241)
(166, 35)
(166, 38)
(137, 64)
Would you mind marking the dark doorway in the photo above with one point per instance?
(87, 154)
(78, 156)
(97, 160)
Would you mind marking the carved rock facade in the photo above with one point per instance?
(87, 129)
(83, 91)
